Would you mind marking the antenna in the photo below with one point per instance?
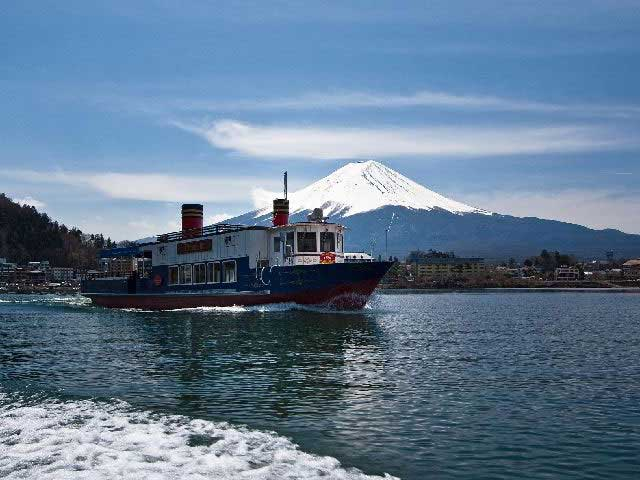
(386, 241)
(285, 185)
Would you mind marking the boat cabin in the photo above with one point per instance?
(230, 257)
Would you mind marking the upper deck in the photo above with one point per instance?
(300, 243)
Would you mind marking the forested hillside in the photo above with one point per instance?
(27, 235)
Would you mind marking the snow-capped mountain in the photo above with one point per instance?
(365, 186)
(389, 214)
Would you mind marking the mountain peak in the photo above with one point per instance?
(368, 185)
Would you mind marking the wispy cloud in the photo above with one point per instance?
(153, 187)
(29, 200)
(323, 143)
(419, 99)
(168, 104)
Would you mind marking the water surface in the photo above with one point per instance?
(451, 385)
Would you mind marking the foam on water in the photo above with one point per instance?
(50, 439)
(80, 301)
(267, 308)
(273, 307)
(47, 299)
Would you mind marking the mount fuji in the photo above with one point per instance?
(373, 200)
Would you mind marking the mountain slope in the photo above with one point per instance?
(495, 237)
(370, 198)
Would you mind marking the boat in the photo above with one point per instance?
(225, 265)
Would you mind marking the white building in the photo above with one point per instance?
(565, 273)
(62, 274)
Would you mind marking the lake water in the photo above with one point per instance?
(446, 385)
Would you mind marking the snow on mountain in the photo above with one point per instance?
(364, 186)
(389, 214)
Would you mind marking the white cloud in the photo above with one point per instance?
(28, 200)
(218, 218)
(158, 105)
(337, 142)
(592, 208)
(154, 187)
(262, 197)
(421, 98)
(137, 229)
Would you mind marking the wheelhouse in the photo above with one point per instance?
(306, 243)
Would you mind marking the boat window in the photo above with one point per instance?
(213, 272)
(199, 272)
(185, 274)
(229, 271)
(340, 243)
(327, 242)
(307, 242)
(276, 244)
(289, 242)
(173, 275)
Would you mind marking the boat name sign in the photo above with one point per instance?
(194, 247)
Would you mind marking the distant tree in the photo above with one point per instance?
(27, 235)
(548, 262)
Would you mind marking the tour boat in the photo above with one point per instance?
(225, 265)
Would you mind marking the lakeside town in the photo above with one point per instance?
(418, 270)
(40, 255)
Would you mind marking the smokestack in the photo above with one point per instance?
(280, 212)
(281, 208)
(191, 220)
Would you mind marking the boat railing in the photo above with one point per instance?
(217, 229)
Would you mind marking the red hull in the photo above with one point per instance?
(348, 296)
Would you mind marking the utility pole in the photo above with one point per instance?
(386, 242)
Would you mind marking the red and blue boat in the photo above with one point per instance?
(226, 265)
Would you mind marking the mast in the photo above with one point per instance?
(285, 185)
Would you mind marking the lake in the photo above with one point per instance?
(437, 385)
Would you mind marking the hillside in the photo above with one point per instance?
(28, 235)
(369, 198)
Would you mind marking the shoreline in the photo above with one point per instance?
(511, 289)
(390, 291)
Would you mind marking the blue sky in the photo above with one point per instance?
(115, 112)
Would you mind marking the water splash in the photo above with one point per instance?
(80, 301)
(46, 299)
(51, 439)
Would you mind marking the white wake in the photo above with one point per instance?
(97, 440)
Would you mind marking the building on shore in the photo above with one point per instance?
(34, 273)
(42, 265)
(118, 266)
(28, 276)
(566, 273)
(631, 268)
(7, 271)
(62, 274)
(438, 264)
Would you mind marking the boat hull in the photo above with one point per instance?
(342, 292)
